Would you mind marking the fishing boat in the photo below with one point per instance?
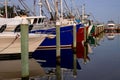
(12, 24)
(46, 52)
(9, 24)
(111, 27)
(66, 29)
(111, 24)
(66, 38)
(10, 42)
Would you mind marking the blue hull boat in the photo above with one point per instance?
(66, 35)
(47, 50)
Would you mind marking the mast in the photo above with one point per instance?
(34, 7)
(61, 6)
(6, 4)
(48, 5)
(68, 9)
(56, 9)
(40, 4)
(6, 13)
(83, 13)
(25, 6)
(49, 8)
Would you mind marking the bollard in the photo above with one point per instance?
(24, 50)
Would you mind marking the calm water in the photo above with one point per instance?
(104, 63)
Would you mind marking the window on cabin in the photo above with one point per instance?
(35, 21)
(40, 20)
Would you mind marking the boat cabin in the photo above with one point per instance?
(36, 19)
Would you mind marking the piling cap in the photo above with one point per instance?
(24, 21)
(57, 23)
(74, 24)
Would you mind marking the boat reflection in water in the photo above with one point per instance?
(110, 36)
(11, 68)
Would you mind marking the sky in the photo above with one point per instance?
(100, 10)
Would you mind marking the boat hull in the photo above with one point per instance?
(11, 43)
(66, 35)
(46, 52)
(11, 23)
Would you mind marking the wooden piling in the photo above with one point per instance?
(85, 35)
(24, 50)
(58, 60)
(74, 51)
(85, 44)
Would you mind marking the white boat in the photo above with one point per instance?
(13, 24)
(10, 42)
(35, 22)
(10, 23)
(111, 25)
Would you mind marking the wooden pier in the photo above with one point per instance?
(115, 30)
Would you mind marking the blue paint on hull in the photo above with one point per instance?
(66, 35)
(66, 38)
(50, 58)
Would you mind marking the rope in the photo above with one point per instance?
(10, 43)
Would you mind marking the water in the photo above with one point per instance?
(104, 63)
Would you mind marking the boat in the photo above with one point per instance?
(35, 22)
(111, 27)
(10, 42)
(45, 54)
(9, 24)
(110, 30)
(12, 24)
(111, 24)
(66, 28)
(83, 47)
